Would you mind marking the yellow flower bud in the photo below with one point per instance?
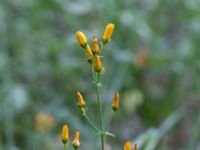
(65, 134)
(97, 64)
(81, 102)
(108, 32)
(76, 142)
(115, 103)
(80, 36)
(128, 145)
(88, 52)
(135, 147)
(95, 45)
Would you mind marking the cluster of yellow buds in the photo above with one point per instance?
(65, 137)
(128, 146)
(92, 52)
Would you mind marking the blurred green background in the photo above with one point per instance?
(153, 61)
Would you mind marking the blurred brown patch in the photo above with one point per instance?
(44, 121)
(142, 58)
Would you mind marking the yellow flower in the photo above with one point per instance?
(135, 147)
(95, 45)
(80, 36)
(115, 103)
(88, 52)
(97, 64)
(108, 32)
(76, 142)
(128, 145)
(65, 134)
(81, 102)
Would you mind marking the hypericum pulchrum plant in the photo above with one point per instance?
(92, 53)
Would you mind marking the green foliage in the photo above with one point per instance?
(154, 54)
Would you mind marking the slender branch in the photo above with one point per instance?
(90, 122)
(195, 133)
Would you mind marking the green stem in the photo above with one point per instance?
(100, 110)
(90, 122)
(65, 146)
(195, 134)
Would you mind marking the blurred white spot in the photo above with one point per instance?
(127, 18)
(18, 97)
(132, 99)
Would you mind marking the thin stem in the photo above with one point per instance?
(100, 110)
(65, 146)
(195, 134)
(90, 122)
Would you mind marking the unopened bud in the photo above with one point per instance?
(115, 103)
(65, 134)
(81, 102)
(76, 142)
(81, 38)
(95, 45)
(97, 64)
(108, 32)
(128, 145)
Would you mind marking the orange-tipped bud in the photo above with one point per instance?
(95, 45)
(65, 134)
(135, 147)
(108, 32)
(81, 102)
(128, 145)
(88, 52)
(76, 142)
(81, 38)
(97, 64)
(115, 103)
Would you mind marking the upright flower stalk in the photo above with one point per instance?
(92, 53)
(102, 132)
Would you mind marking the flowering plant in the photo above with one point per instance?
(92, 53)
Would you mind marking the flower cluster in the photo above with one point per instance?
(128, 146)
(65, 137)
(92, 53)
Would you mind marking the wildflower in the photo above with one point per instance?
(65, 134)
(80, 36)
(76, 142)
(108, 32)
(115, 103)
(128, 145)
(135, 147)
(97, 64)
(95, 45)
(81, 102)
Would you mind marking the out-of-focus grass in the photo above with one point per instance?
(153, 61)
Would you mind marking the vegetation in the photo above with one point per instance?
(152, 61)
